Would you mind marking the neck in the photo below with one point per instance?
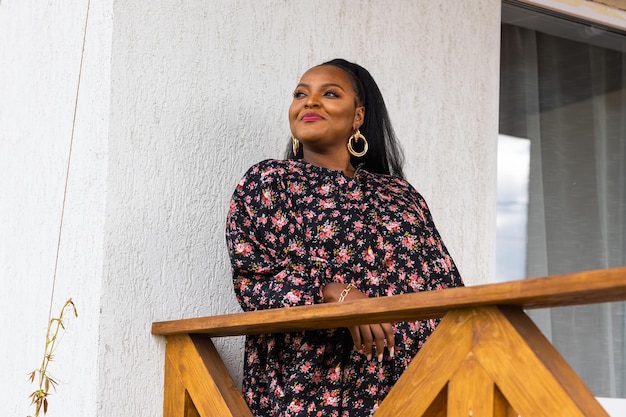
(334, 162)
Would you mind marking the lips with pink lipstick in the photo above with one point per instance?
(311, 117)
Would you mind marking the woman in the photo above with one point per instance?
(335, 221)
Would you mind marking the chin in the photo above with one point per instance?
(310, 138)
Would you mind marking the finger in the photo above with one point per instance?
(390, 338)
(356, 338)
(379, 340)
(367, 338)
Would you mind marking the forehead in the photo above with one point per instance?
(327, 74)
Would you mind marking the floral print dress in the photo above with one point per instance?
(294, 227)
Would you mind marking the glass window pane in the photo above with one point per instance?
(563, 95)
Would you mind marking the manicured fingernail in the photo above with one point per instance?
(369, 356)
(391, 352)
(380, 357)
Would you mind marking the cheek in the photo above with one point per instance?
(348, 118)
(294, 109)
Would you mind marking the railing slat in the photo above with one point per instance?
(588, 287)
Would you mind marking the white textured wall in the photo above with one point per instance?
(185, 98)
(201, 92)
(40, 50)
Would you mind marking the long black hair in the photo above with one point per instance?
(385, 155)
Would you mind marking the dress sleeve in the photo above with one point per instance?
(269, 264)
(438, 267)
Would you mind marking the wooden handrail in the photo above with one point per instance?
(486, 358)
(589, 287)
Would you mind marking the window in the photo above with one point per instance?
(562, 175)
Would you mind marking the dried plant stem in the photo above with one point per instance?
(46, 383)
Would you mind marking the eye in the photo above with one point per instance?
(298, 94)
(331, 93)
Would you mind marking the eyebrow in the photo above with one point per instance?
(323, 85)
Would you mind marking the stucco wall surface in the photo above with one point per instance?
(200, 92)
(178, 100)
(40, 52)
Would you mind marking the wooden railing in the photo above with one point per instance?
(485, 359)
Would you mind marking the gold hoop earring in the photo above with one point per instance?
(295, 145)
(356, 137)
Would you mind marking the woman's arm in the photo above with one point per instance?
(270, 267)
(366, 336)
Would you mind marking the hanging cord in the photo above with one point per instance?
(69, 160)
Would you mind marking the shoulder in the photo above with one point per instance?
(267, 174)
(391, 183)
(397, 188)
(272, 168)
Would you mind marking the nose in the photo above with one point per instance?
(312, 101)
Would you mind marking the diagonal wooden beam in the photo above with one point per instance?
(527, 369)
(428, 374)
(194, 362)
(492, 362)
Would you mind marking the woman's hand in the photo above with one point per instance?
(365, 336)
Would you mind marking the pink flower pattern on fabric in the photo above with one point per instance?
(294, 227)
